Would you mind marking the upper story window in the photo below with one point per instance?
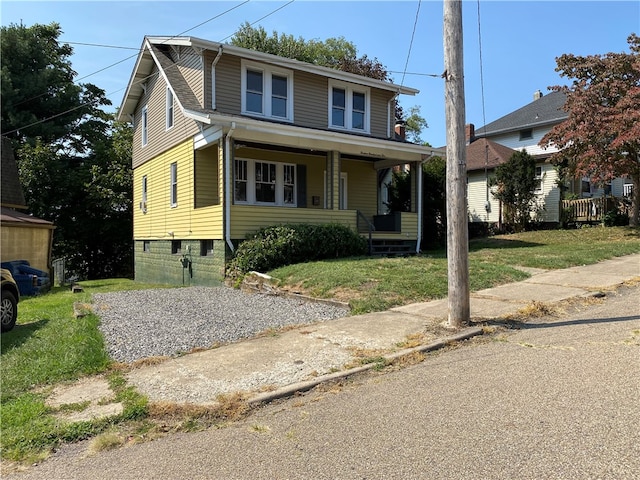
(349, 107)
(169, 108)
(174, 184)
(145, 125)
(526, 134)
(267, 91)
(264, 183)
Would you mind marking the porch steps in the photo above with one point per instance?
(392, 248)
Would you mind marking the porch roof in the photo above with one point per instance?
(384, 153)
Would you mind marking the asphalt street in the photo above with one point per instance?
(556, 399)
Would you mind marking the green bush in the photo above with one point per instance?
(281, 245)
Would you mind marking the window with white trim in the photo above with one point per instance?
(258, 182)
(538, 178)
(169, 108)
(143, 202)
(174, 184)
(145, 124)
(267, 91)
(349, 106)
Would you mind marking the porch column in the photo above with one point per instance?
(333, 180)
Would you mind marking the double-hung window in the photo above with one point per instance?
(538, 179)
(349, 107)
(174, 184)
(169, 108)
(144, 124)
(258, 182)
(267, 91)
(143, 202)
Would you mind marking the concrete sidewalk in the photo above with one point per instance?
(272, 366)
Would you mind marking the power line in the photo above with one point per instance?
(415, 23)
(137, 49)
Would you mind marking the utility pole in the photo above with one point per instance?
(457, 227)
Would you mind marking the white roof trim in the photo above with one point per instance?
(284, 62)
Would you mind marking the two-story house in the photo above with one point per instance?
(228, 140)
(520, 130)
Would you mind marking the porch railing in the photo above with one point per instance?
(589, 209)
(368, 227)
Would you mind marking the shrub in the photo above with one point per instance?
(280, 245)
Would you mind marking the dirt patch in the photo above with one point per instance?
(92, 396)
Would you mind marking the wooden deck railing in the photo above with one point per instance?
(589, 209)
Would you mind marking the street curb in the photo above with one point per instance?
(292, 389)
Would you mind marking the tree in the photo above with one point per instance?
(434, 212)
(73, 159)
(414, 124)
(515, 182)
(600, 138)
(38, 96)
(399, 190)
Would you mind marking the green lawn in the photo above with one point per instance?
(50, 346)
(372, 284)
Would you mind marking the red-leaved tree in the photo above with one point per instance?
(600, 138)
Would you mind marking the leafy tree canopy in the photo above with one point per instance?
(38, 95)
(73, 158)
(600, 138)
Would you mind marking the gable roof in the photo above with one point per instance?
(11, 189)
(483, 153)
(152, 52)
(547, 110)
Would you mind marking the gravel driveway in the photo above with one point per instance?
(144, 323)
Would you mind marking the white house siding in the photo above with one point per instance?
(549, 197)
(477, 197)
(530, 145)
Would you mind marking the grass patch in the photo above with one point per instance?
(376, 284)
(49, 346)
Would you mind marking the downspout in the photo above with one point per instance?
(227, 186)
(213, 79)
(389, 103)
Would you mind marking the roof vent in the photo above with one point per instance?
(537, 95)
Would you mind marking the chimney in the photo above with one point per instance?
(401, 131)
(537, 95)
(469, 133)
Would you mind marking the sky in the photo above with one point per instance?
(510, 47)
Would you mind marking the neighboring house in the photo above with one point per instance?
(23, 237)
(229, 140)
(522, 130)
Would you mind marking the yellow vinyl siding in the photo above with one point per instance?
(361, 186)
(207, 177)
(247, 219)
(161, 218)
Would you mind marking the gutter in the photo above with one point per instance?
(227, 186)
